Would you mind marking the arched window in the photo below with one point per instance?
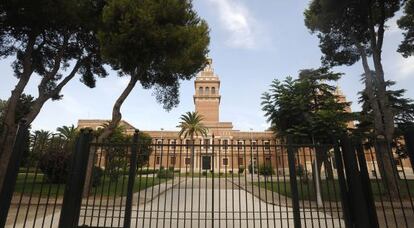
(213, 90)
(200, 90)
(207, 90)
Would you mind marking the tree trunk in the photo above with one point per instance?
(116, 111)
(388, 171)
(7, 150)
(116, 118)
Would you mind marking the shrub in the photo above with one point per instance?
(97, 176)
(145, 171)
(55, 166)
(165, 173)
(300, 171)
(250, 169)
(266, 170)
(241, 169)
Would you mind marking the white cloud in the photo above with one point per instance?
(243, 29)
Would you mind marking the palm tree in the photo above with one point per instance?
(67, 132)
(191, 126)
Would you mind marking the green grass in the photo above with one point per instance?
(330, 189)
(109, 187)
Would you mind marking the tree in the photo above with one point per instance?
(403, 109)
(55, 40)
(165, 42)
(406, 23)
(350, 31)
(23, 107)
(309, 109)
(69, 133)
(191, 125)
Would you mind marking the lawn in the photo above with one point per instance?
(35, 185)
(330, 189)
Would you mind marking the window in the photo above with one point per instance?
(207, 143)
(157, 160)
(213, 90)
(241, 161)
(207, 90)
(267, 145)
(187, 161)
(240, 145)
(200, 90)
(172, 160)
(173, 143)
(254, 145)
(187, 144)
(225, 143)
(225, 161)
(159, 143)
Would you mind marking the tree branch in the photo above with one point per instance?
(43, 97)
(56, 66)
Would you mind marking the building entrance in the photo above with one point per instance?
(206, 162)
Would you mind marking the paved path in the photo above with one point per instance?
(225, 205)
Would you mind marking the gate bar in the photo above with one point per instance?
(131, 180)
(12, 171)
(69, 216)
(293, 184)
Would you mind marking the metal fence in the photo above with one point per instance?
(222, 183)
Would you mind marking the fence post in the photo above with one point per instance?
(409, 143)
(366, 186)
(6, 193)
(358, 202)
(342, 185)
(293, 183)
(131, 180)
(72, 199)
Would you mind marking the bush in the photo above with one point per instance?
(97, 176)
(145, 171)
(165, 173)
(55, 166)
(266, 170)
(250, 169)
(241, 169)
(300, 171)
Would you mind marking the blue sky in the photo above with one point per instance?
(252, 43)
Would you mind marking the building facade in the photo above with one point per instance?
(224, 149)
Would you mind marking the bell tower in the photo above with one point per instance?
(207, 94)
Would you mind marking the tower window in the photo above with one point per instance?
(200, 90)
(213, 90)
(207, 90)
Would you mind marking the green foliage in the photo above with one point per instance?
(97, 174)
(307, 108)
(191, 125)
(300, 171)
(165, 173)
(241, 169)
(54, 164)
(403, 109)
(341, 25)
(156, 42)
(250, 168)
(406, 23)
(48, 35)
(266, 170)
(24, 106)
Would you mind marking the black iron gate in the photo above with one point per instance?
(244, 184)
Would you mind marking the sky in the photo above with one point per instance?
(252, 43)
